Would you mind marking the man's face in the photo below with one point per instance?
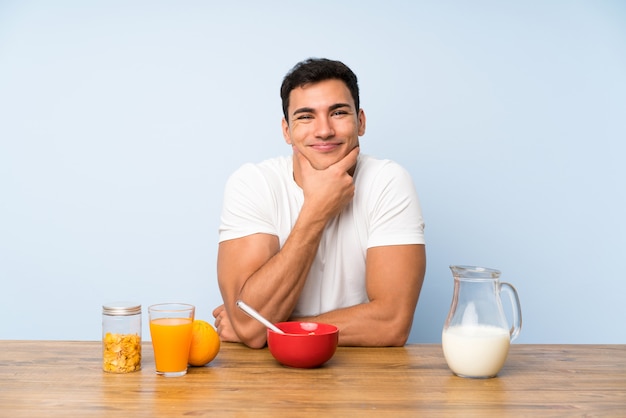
(323, 123)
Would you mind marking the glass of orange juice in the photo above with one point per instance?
(170, 329)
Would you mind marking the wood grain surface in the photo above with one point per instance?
(65, 379)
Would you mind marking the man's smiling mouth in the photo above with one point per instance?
(325, 146)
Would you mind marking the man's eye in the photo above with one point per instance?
(302, 117)
(339, 113)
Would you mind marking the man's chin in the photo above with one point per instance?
(322, 165)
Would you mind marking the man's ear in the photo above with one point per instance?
(286, 134)
(361, 122)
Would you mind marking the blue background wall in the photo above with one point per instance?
(120, 122)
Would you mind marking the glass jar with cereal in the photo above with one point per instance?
(121, 337)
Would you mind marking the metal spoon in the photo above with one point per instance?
(254, 314)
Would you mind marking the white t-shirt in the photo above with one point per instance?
(385, 210)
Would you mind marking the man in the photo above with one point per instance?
(326, 235)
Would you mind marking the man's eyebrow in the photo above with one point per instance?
(338, 106)
(311, 110)
(303, 110)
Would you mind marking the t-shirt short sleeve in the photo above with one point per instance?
(242, 215)
(395, 216)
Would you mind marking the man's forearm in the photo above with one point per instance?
(363, 326)
(394, 280)
(274, 289)
(278, 283)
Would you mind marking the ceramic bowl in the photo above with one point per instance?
(304, 344)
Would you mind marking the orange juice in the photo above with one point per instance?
(171, 339)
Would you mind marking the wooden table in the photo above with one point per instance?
(60, 378)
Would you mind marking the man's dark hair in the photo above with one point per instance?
(313, 70)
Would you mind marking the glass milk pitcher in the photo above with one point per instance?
(476, 335)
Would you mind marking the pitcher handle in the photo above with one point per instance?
(517, 310)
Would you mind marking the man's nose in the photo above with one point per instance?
(324, 128)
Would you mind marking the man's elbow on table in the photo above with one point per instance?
(256, 343)
(252, 338)
(398, 339)
(381, 333)
(394, 336)
(398, 330)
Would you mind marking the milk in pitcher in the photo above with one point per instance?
(475, 350)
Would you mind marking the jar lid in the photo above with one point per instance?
(121, 308)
